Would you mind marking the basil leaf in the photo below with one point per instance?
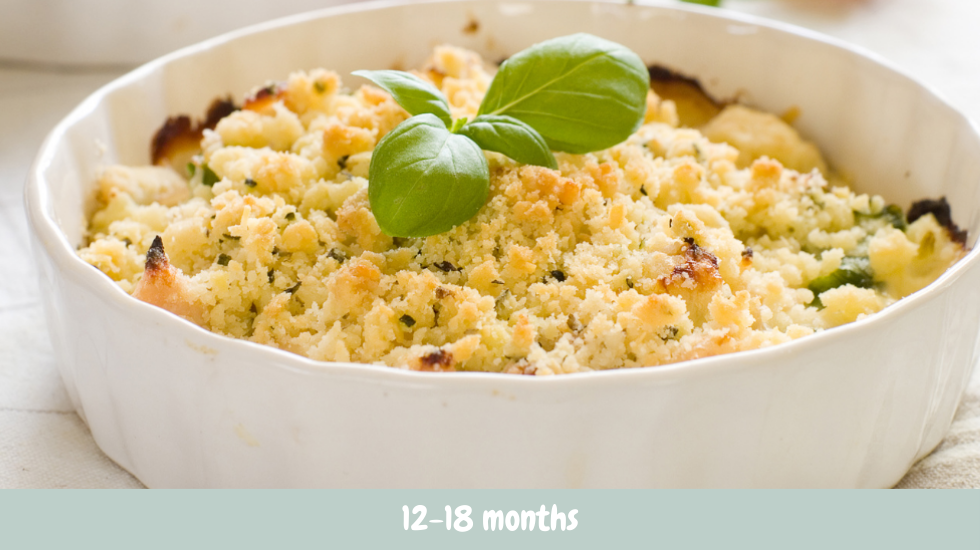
(580, 92)
(424, 179)
(511, 137)
(411, 92)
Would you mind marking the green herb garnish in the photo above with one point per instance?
(337, 255)
(577, 94)
(425, 180)
(208, 177)
(891, 214)
(445, 266)
(852, 271)
(580, 92)
(714, 3)
(411, 92)
(511, 137)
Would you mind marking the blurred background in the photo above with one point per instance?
(53, 53)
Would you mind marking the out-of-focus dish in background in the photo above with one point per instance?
(120, 33)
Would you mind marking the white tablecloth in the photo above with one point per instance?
(43, 443)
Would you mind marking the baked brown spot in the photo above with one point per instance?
(437, 361)
(442, 292)
(219, 109)
(180, 136)
(700, 267)
(695, 107)
(177, 133)
(264, 97)
(660, 73)
(156, 258)
(940, 210)
(164, 286)
(747, 255)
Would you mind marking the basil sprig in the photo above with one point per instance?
(421, 167)
(576, 94)
(580, 92)
(411, 92)
(511, 137)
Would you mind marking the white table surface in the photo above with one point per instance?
(43, 443)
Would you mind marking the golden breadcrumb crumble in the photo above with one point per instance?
(677, 244)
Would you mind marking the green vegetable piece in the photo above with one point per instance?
(208, 177)
(411, 92)
(853, 270)
(714, 3)
(580, 92)
(511, 137)
(892, 214)
(191, 169)
(424, 179)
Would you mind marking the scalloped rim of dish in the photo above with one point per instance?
(37, 201)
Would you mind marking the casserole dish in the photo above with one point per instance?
(853, 406)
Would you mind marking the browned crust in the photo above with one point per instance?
(164, 286)
(158, 274)
(700, 267)
(156, 258)
(660, 73)
(695, 107)
(179, 133)
(747, 255)
(437, 361)
(264, 97)
(939, 208)
(219, 109)
(176, 133)
(443, 293)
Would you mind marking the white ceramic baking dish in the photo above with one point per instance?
(854, 406)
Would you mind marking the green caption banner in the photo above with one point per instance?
(490, 519)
